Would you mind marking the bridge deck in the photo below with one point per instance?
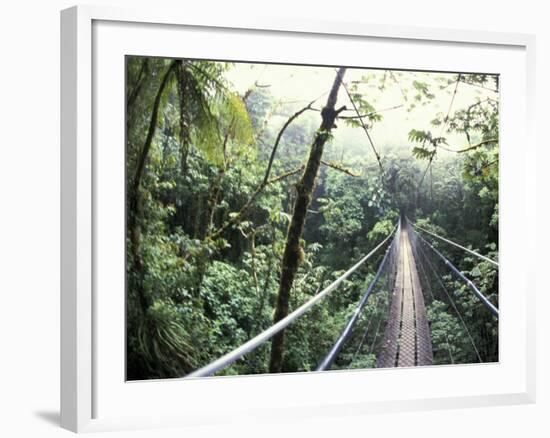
(407, 340)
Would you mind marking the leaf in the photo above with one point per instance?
(475, 272)
(423, 153)
(419, 136)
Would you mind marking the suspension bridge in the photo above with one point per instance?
(398, 334)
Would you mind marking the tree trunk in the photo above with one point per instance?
(293, 253)
(134, 197)
(142, 158)
(184, 122)
(132, 95)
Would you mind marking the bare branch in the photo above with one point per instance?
(446, 119)
(479, 86)
(279, 136)
(364, 128)
(399, 85)
(485, 166)
(340, 167)
(425, 172)
(470, 148)
(364, 116)
(285, 175)
(236, 219)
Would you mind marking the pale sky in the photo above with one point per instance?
(303, 84)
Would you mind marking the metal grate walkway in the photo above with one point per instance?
(407, 340)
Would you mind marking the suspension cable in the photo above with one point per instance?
(390, 283)
(461, 276)
(228, 358)
(416, 256)
(427, 279)
(487, 259)
(364, 339)
(453, 304)
(366, 332)
(331, 356)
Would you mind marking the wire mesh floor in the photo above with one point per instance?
(407, 340)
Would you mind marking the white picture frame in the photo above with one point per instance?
(84, 370)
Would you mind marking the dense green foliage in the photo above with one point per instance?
(209, 204)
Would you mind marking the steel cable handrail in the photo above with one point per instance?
(430, 290)
(333, 353)
(453, 304)
(228, 358)
(389, 275)
(460, 275)
(366, 332)
(487, 259)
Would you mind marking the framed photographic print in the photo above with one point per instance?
(253, 209)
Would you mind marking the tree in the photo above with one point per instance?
(294, 253)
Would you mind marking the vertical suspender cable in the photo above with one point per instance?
(453, 304)
(462, 277)
(333, 353)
